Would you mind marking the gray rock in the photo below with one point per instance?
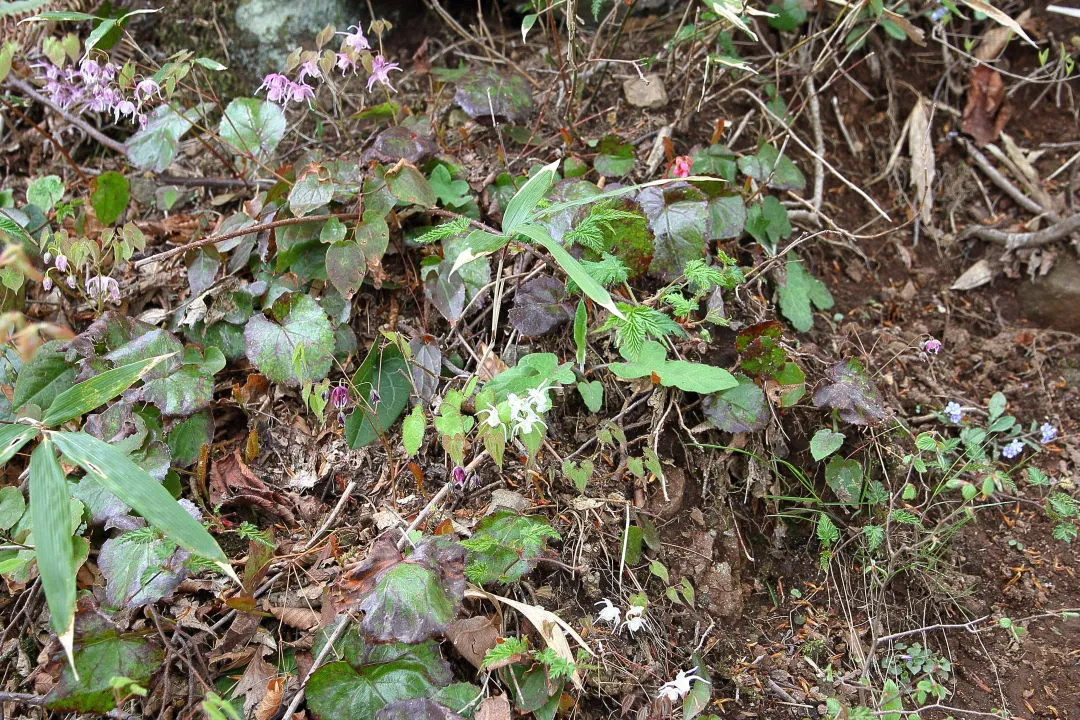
(270, 29)
(508, 499)
(1053, 301)
(647, 93)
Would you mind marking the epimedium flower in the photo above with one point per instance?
(380, 72)
(47, 284)
(344, 63)
(355, 39)
(299, 92)
(635, 618)
(146, 89)
(61, 262)
(681, 166)
(308, 69)
(954, 411)
(1012, 449)
(339, 396)
(932, 346)
(609, 613)
(677, 689)
(71, 282)
(100, 285)
(1049, 433)
(277, 87)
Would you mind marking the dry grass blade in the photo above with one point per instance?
(999, 17)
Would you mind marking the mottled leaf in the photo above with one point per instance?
(850, 391)
(252, 126)
(740, 409)
(540, 306)
(155, 145)
(43, 377)
(295, 345)
(485, 92)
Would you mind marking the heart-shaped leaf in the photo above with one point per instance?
(296, 345)
(485, 94)
(740, 409)
(850, 391)
(155, 145)
(252, 126)
(383, 386)
(540, 306)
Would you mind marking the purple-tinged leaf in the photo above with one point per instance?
(848, 390)
(416, 709)
(741, 409)
(486, 95)
(540, 306)
(345, 267)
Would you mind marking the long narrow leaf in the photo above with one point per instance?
(50, 519)
(96, 391)
(527, 198)
(12, 438)
(594, 290)
(134, 486)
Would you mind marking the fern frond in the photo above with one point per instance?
(641, 323)
(457, 226)
(590, 231)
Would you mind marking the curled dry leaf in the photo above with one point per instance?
(232, 483)
(994, 40)
(473, 637)
(299, 618)
(271, 700)
(496, 707)
(975, 276)
(923, 169)
(986, 111)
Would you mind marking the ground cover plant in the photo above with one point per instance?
(550, 358)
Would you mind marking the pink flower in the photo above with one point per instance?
(380, 72)
(932, 346)
(299, 92)
(61, 262)
(339, 396)
(344, 63)
(355, 40)
(101, 284)
(277, 87)
(308, 69)
(124, 107)
(681, 166)
(146, 88)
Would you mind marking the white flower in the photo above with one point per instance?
(523, 415)
(677, 689)
(609, 613)
(635, 618)
(538, 398)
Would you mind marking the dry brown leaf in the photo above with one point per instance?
(299, 618)
(995, 39)
(473, 637)
(921, 147)
(271, 700)
(975, 276)
(999, 17)
(491, 366)
(232, 483)
(493, 708)
(986, 111)
(252, 684)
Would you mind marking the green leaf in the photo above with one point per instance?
(505, 546)
(578, 473)
(98, 390)
(845, 479)
(412, 430)
(825, 442)
(312, 191)
(701, 691)
(769, 165)
(12, 506)
(345, 267)
(581, 328)
(891, 702)
(452, 193)
(682, 374)
(50, 520)
(767, 222)
(139, 569)
(996, 406)
(527, 199)
(410, 187)
(155, 145)
(296, 345)
(530, 372)
(109, 196)
(210, 64)
(12, 438)
(340, 691)
(252, 126)
(45, 192)
(386, 372)
(484, 92)
(614, 157)
(134, 487)
(593, 394)
(187, 437)
(798, 293)
(102, 652)
(592, 289)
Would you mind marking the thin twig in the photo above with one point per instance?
(1002, 182)
(819, 145)
(968, 626)
(1014, 241)
(78, 122)
(27, 698)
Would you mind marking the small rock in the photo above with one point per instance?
(384, 520)
(509, 499)
(647, 93)
(1052, 301)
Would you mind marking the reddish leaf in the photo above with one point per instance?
(986, 111)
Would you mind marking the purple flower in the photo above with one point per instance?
(954, 411)
(61, 262)
(46, 283)
(100, 285)
(125, 107)
(146, 89)
(355, 40)
(339, 397)
(47, 257)
(299, 92)
(344, 63)
(458, 473)
(380, 72)
(71, 282)
(308, 69)
(1049, 433)
(932, 346)
(1012, 449)
(277, 87)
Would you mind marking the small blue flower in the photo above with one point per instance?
(1012, 449)
(1049, 433)
(954, 411)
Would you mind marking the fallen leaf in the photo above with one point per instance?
(232, 483)
(299, 618)
(975, 276)
(473, 637)
(491, 366)
(271, 700)
(493, 708)
(999, 17)
(921, 146)
(994, 40)
(252, 684)
(986, 111)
